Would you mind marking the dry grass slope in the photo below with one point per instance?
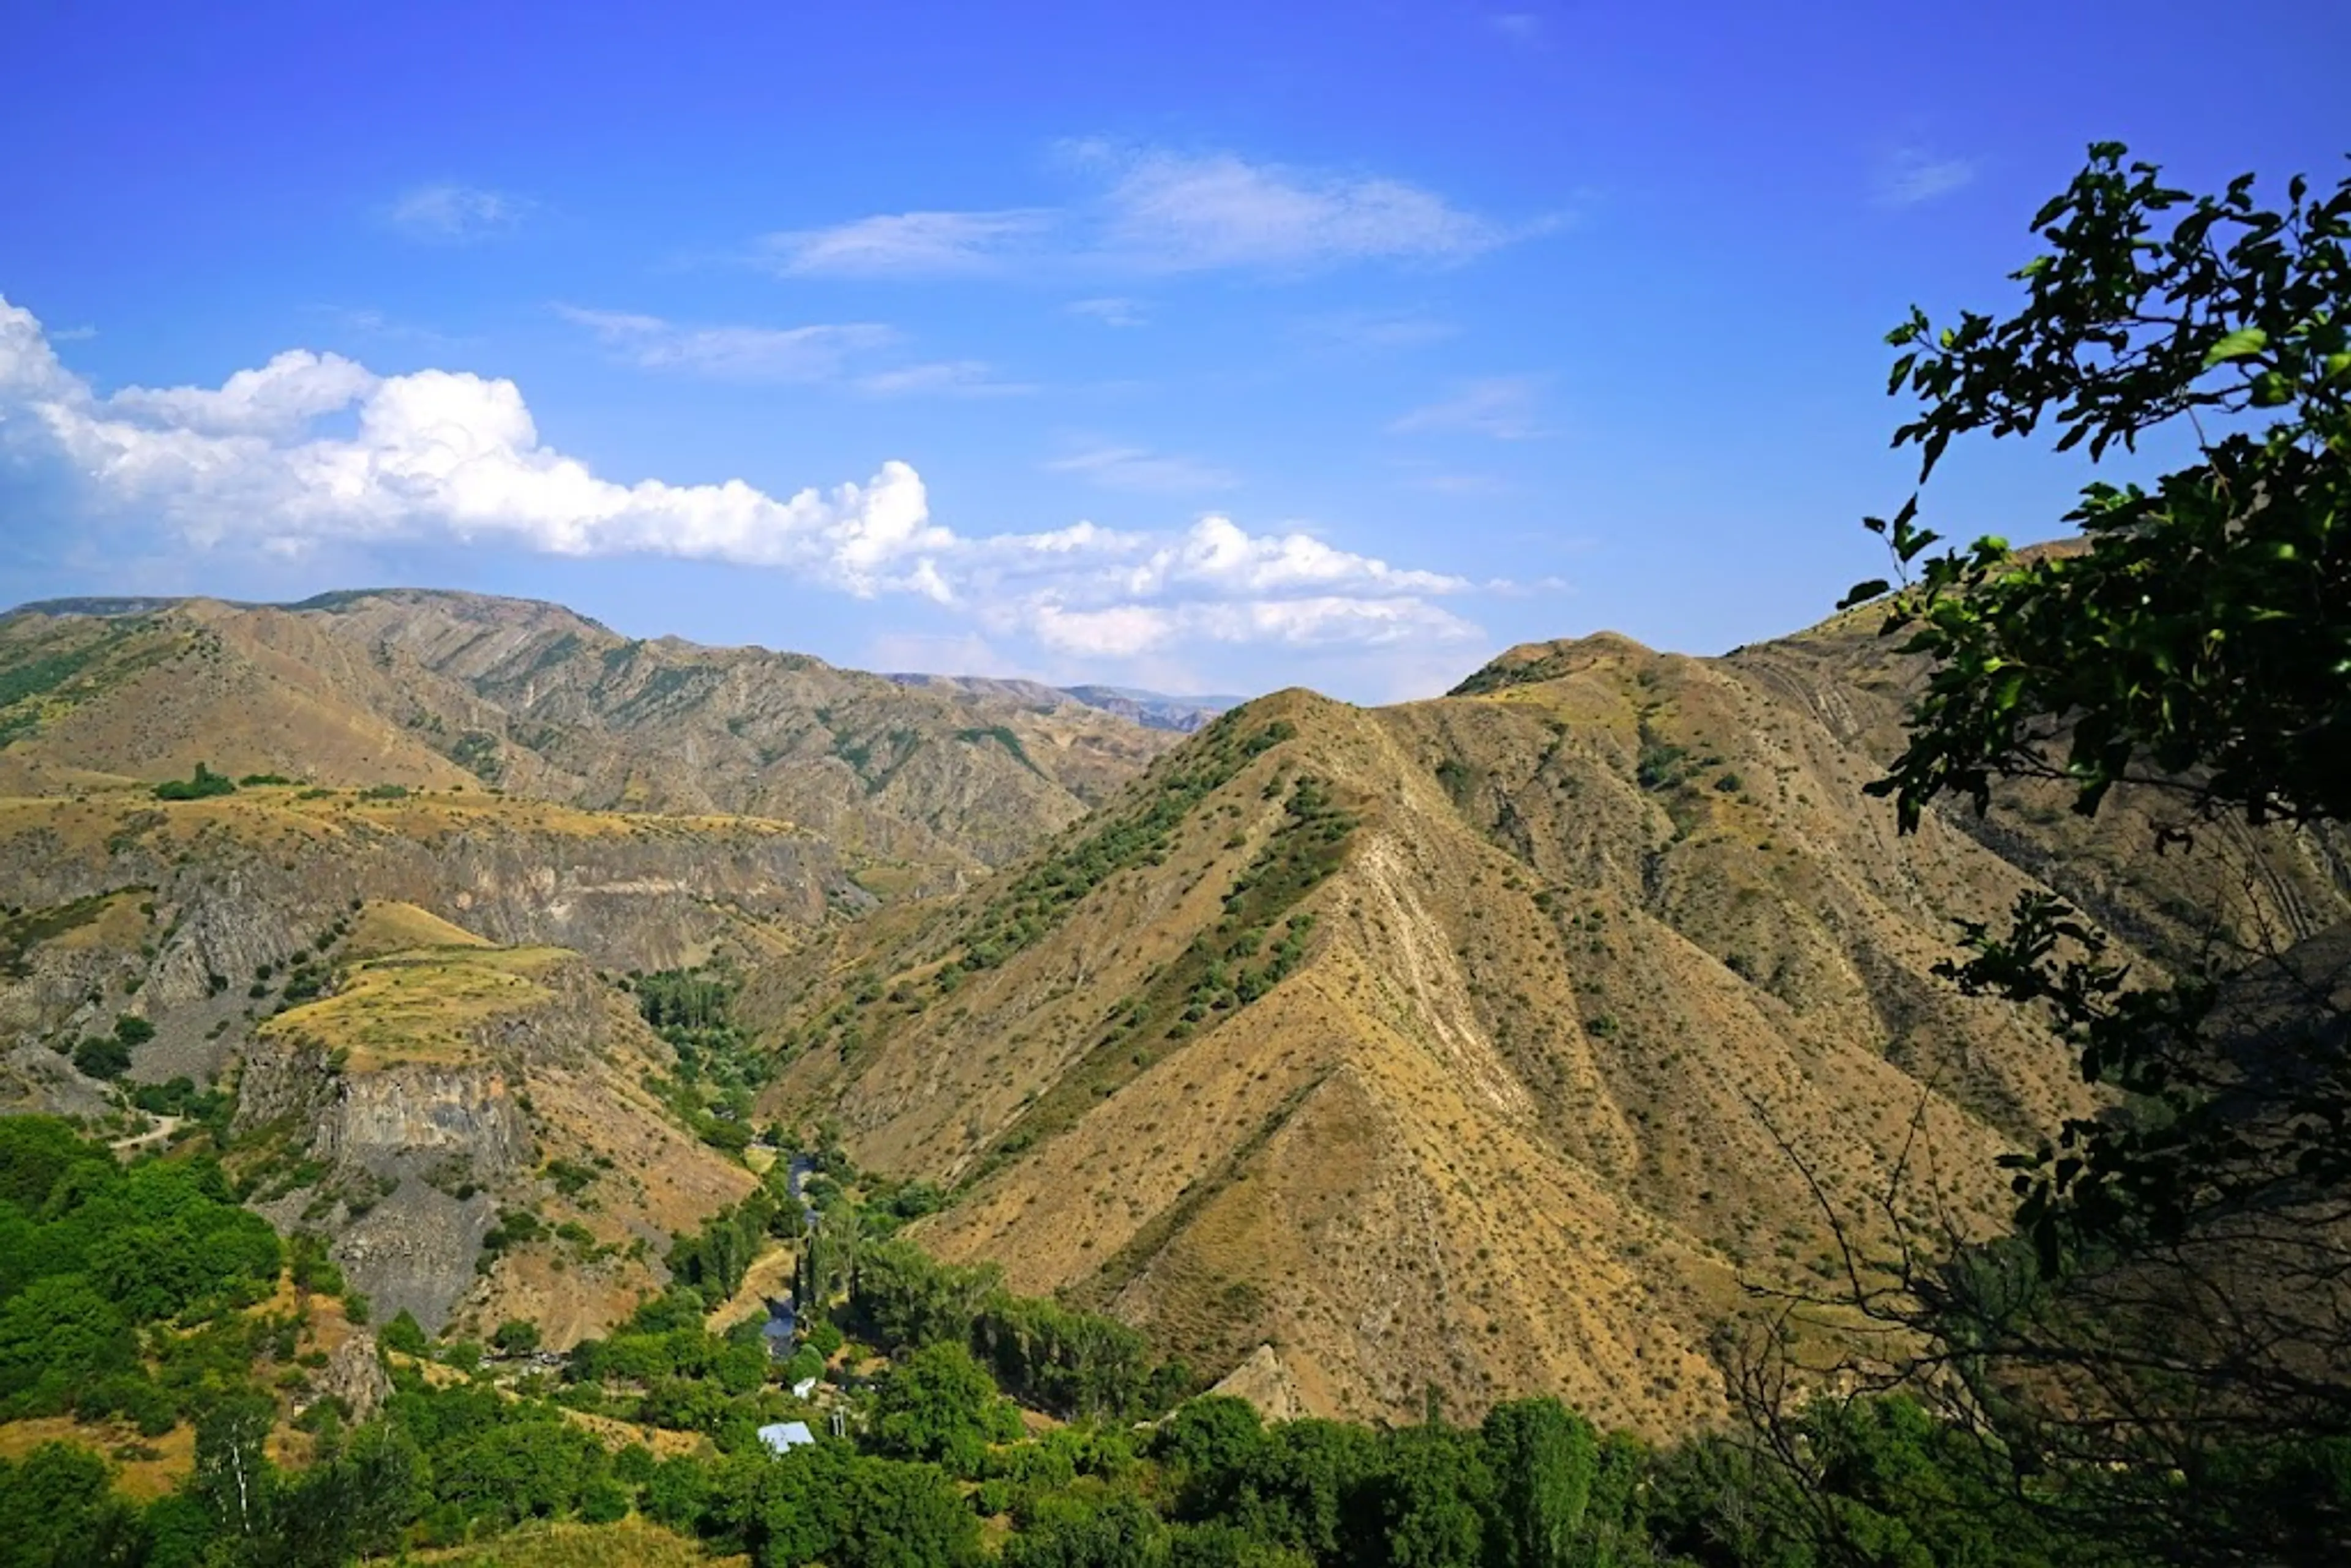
(440, 690)
(1592, 955)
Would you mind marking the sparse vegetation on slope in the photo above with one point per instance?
(1461, 1042)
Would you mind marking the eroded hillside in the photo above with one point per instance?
(1485, 1043)
(190, 913)
(471, 1126)
(917, 786)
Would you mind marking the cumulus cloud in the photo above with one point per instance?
(454, 213)
(1218, 555)
(436, 454)
(313, 450)
(280, 398)
(1134, 631)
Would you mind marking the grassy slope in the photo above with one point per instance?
(441, 691)
(1599, 942)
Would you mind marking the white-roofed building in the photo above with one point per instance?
(783, 1437)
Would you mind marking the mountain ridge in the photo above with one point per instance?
(440, 689)
(1492, 1044)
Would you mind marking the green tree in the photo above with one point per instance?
(939, 1404)
(1120, 1533)
(1425, 1505)
(516, 1336)
(1543, 1457)
(56, 1507)
(828, 1503)
(233, 1477)
(1210, 1446)
(102, 1056)
(1304, 1483)
(57, 1335)
(2169, 1344)
(405, 1335)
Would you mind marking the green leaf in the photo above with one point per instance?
(2236, 345)
(1863, 592)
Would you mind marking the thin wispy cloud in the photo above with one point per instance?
(1910, 175)
(450, 213)
(368, 322)
(1136, 468)
(1502, 408)
(1378, 329)
(1151, 211)
(1524, 28)
(1110, 311)
(1177, 212)
(1462, 484)
(941, 378)
(813, 353)
(906, 245)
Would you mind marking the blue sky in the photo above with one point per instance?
(1207, 347)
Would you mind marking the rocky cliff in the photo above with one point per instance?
(468, 1124)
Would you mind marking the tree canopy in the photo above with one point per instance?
(2166, 1352)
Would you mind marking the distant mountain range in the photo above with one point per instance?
(1154, 710)
(437, 689)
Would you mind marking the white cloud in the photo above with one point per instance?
(280, 398)
(1910, 175)
(1378, 329)
(1217, 554)
(1462, 484)
(442, 456)
(30, 372)
(1172, 212)
(433, 454)
(454, 213)
(1129, 631)
(1135, 468)
(905, 245)
(1154, 212)
(762, 353)
(1110, 311)
(368, 322)
(1501, 407)
(942, 378)
(814, 354)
